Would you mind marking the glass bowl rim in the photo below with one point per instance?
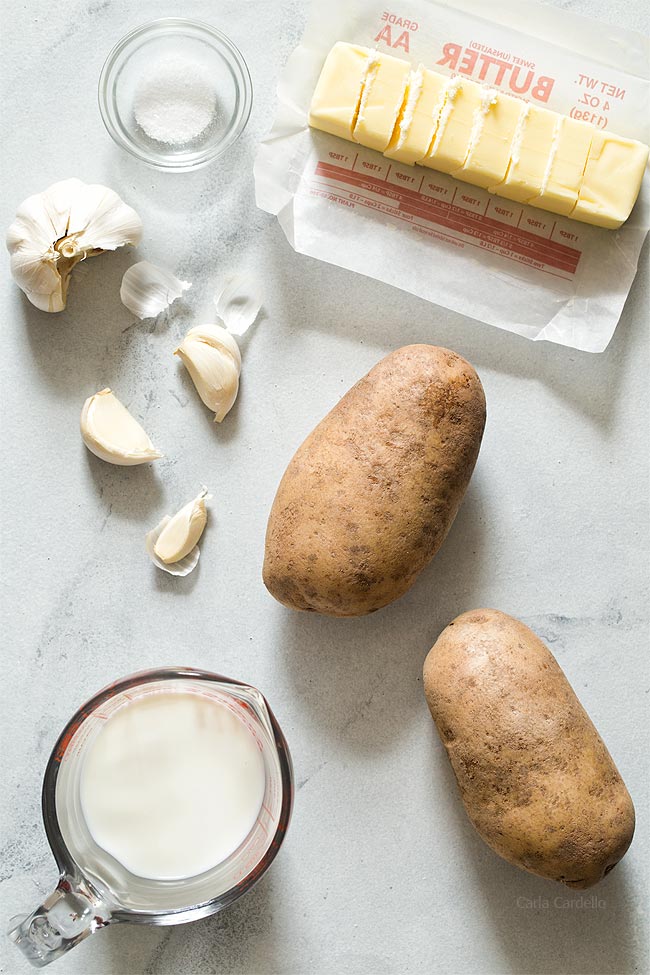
(64, 860)
(244, 86)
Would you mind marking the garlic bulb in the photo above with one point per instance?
(61, 226)
(147, 290)
(212, 358)
(112, 434)
(172, 544)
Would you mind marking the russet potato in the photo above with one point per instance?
(536, 779)
(369, 497)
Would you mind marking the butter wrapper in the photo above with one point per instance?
(531, 272)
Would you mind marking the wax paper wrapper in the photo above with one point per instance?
(516, 267)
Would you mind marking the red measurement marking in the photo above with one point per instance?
(329, 193)
(61, 750)
(523, 248)
(470, 243)
(470, 199)
(495, 233)
(365, 201)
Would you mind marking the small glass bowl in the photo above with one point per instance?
(132, 59)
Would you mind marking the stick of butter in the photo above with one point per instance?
(417, 123)
(484, 137)
(381, 100)
(612, 176)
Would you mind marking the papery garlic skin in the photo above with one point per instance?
(112, 434)
(238, 303)
(212, 358)
(147, 290)
(182, 531)
(61, 226)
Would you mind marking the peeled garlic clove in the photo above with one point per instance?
(112, 434)
(237, 303)
(61, 226)
(172, 544)
(147, 290)
(182, 532)
(212, 357)
(182, 568)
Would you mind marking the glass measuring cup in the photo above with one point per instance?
(94, 889)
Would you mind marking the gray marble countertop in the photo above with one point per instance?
(381, 871)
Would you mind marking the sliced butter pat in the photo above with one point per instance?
(416, 126)
(530, 151)
(492, 138)
(381, 102)
(565, 167)
(182, 532)
(112, 434)
(452, 141)
(611, 181)
(335, 103)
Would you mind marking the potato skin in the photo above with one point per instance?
(369, 497)
(536, 779)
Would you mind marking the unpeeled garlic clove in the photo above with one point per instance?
(61, 226)
(212, 357)
(172, 544)
(147, 290)
(112, 434)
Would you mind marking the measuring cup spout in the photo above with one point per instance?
(65, 918)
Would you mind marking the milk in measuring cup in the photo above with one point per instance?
(172, 785)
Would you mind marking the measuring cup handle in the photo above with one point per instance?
(65, 918)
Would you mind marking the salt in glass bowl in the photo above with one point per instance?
(132, 60)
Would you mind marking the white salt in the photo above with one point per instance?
(175, 101)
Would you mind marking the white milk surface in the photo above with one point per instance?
(172, 785)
